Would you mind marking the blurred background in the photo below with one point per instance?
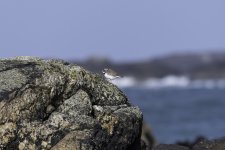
(171, 54)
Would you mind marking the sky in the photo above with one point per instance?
(122, 30)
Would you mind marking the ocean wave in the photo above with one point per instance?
(169, 81)
(125, 82)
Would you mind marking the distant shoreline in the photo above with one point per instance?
(205, 66)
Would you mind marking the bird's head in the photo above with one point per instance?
(104, 71)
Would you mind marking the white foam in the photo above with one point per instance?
(125, 82)
(170, 81)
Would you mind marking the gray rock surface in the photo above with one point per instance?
(50, 104)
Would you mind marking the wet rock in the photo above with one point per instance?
(199, 144)
(50, 104)
(204, 144)
(170, 147)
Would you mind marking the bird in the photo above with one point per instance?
(110, 74)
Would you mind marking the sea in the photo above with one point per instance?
(178, 108)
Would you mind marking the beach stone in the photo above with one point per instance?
(51, 104)
(204, 144)
(170, 147)
(199, 144)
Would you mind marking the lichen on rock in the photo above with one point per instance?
(51, 104)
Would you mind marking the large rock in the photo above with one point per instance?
(49, 104)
